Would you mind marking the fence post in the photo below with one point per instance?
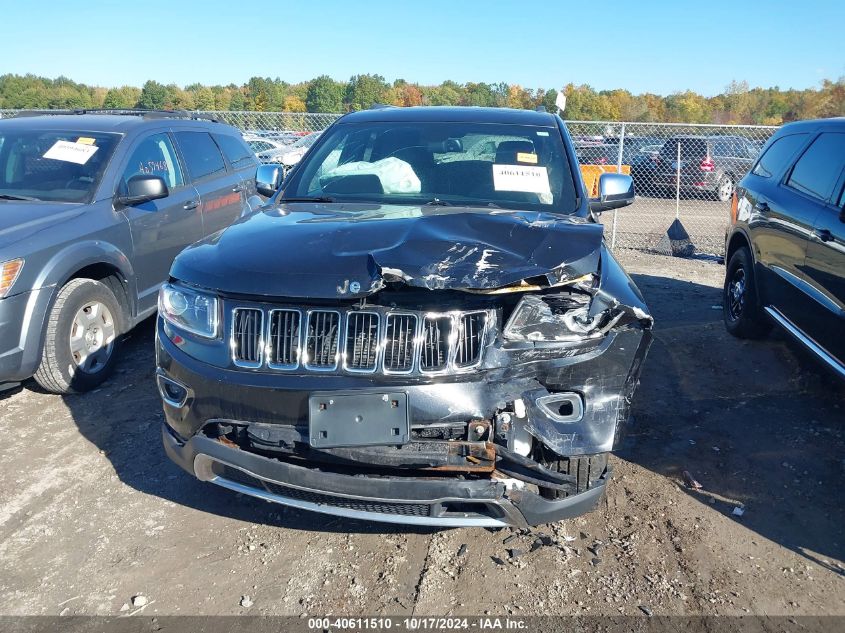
(678, 184)
(618, 171)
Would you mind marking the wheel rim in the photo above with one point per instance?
(726, 188)
(736, 294)
(92, 335)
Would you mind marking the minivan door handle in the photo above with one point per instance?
(237, 189)
(823, 234)
(191, 204)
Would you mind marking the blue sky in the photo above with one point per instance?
(657, 46)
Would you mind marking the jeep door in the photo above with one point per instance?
(825, 263)
(160, 229)
(219, 186)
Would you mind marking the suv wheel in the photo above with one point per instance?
(83, 337)
(586, 469)
(725, 188)
(742, 313)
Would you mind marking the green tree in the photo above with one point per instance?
(153, 96)
(324, 95)
(123, 97)
(363, 91)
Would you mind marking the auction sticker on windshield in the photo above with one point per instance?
(67, 151)
(528, 179)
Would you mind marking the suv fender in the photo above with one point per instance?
(55, 273)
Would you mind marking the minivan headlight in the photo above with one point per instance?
(189, 310)
(9, 272)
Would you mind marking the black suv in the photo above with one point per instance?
(93, 209)
(412, 331)
(709, 164)
(786, 243)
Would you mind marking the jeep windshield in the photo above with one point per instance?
(438, 163)
(53, 166)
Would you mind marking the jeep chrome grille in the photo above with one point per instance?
(399, 342)
(284, 339)
(435, 343)
(321, 339)
(247, 336)
(363, 341)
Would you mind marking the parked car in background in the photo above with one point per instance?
(709, 164)
(785, 248)
(291, 155)
(266, 149)
(424, 326)
(93, 209)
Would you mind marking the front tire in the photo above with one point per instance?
(83, 338)
(741, 310)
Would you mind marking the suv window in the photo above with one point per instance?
(235, 150)
(154, 156)
(819, 168)
(778, 155)
(59, 166)
(690, 148)
(202, 157)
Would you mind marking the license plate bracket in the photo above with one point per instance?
(361, 419)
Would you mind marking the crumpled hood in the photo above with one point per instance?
(309, 250)
(21, 220)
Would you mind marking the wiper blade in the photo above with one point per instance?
(307, 199)
(8, 196)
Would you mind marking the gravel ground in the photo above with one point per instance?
(92, 514)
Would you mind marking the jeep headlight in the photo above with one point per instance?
(189, 310)
(556, 318)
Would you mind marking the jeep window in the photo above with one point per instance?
(778, 154)
(447, 163)
(235, 150)
(154, 156)
(819, 168)
(202, 157)
(54, 166)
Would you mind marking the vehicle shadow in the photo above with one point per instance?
(123, 420)
(758, 424)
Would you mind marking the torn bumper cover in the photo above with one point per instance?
(479, 439)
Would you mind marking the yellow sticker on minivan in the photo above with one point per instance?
(524, 157)
(85, 140)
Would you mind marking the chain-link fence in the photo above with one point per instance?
(681, 172)
(684, 174)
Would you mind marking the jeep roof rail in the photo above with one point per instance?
(147, 114)
(381, 106)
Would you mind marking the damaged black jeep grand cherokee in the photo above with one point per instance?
(423, 326)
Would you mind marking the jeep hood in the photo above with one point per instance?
(325, 251)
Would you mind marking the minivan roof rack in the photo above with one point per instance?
(147, 114)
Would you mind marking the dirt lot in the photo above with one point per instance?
(92, 513)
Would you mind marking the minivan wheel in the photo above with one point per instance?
(742, 314)
(83, 337)
(725, 188)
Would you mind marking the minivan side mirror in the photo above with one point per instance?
(615, 191)
(143, 188)
(267, 179)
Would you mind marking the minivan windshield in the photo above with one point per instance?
(51, 165)
(438, 163)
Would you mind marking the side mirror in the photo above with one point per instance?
(615, 191)
(267, 179)
(143, 188)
